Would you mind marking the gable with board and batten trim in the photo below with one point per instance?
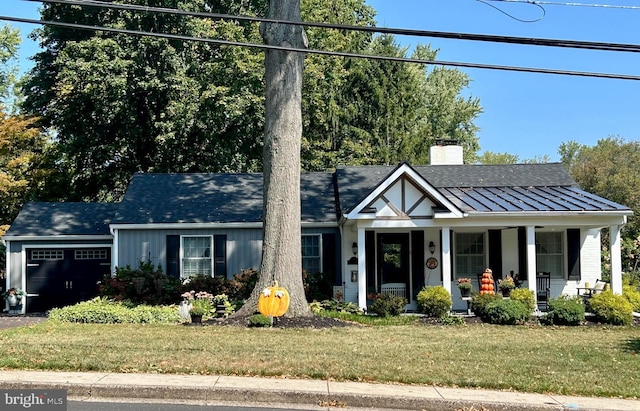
(404, 195)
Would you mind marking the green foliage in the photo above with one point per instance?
(104, 311)
(22, 148)
(201, 303)
(611, 169)
(259, 320)
(372, 320)
(146, 284)
(121, 103)
(525, 296)
(9, 44)
(564, 310)
(505, 312)
(317, 286)
(611, 308)
(335, 306)
(479, 303)
(434, 301)
(632, 294)
(158, 288)
(388, 305)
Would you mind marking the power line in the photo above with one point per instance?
(587, 45)
(557, 3)
(325, 52)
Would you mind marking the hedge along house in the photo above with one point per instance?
(373, 228)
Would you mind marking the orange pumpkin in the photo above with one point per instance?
(273, 301)
(486, 286)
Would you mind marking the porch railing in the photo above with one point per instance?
(396, 289)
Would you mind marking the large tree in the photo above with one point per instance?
(611, 169)
(281, 244)
(9, 43)
(120, 104)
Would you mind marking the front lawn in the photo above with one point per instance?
(592, 361)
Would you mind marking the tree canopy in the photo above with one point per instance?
(611, 169)
(120, 104)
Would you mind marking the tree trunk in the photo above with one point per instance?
(281, 246)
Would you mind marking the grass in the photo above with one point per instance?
(592, 361)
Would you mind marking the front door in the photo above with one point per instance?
(393, 267)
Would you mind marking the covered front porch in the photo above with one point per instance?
(406, 232)
(402, 261)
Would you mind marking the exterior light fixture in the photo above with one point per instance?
(354, 248)
(432, 247)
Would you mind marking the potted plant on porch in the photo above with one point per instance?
(464, 284)
(506, 285)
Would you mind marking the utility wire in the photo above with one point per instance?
(557, 3)
(587, 45)
(324, 52)
(544, 12)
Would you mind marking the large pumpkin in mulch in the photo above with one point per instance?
(486, 282)
(273, 301)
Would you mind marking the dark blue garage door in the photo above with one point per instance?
(60, 277)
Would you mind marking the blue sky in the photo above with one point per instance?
(524, 114)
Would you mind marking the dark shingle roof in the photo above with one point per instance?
(50, 219)
(484, 188)
(228, 198)
(215, 198)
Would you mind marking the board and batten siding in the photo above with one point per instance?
(244, 247)
(16, 261)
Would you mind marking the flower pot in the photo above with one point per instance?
(196, 319)
(465, 292)
(221, 310)
(12, 300)
(506, 292)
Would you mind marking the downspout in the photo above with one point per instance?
(7, 245)
(114, 251)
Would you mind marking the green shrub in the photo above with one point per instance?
(103, 311)
(505, 312)
(259, 320)
(611, 308)
(388, 305)
(317, 286)
(632, 294)
(434, 301)
(479, 303)
(564, 310)
(525, 296)
(335, 305)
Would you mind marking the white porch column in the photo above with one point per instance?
(362, 270)
(445, 258)
(531, 259)
(616, 259)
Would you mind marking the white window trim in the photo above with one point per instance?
(211, 252)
